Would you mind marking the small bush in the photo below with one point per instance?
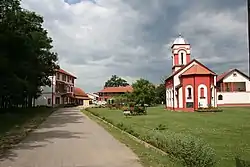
(188, 150)
(211, 109)
(161, 127)
(241, 163)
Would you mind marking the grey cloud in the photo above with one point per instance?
(129, 38)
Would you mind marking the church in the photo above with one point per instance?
(192, 85)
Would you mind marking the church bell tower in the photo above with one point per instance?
(180, 53)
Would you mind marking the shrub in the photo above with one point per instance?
(211, 109)
(139, 110)
(241, 163)
(188, 150)
(161, 127)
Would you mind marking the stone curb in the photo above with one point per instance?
(147, 145)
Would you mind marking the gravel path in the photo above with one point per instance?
(70, 139)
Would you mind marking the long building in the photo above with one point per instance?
(62, 91)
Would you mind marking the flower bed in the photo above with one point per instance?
(210, 109)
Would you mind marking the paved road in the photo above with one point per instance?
(70, 139)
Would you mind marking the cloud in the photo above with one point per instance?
(130, 38)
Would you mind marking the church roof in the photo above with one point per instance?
(194, 60)
(197, 69)
(180, 41)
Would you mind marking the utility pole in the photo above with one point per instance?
(248, 31)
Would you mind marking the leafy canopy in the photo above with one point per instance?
(26, 56)
(115, 81)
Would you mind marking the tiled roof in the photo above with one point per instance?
(197, 69)
(119, 89)
(79, 92)
(173, 74)
(194, 60)
(65, 72)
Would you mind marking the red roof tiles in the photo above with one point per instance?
(65, 72)
(194, 60)
(120, 89)
(197, 69)
(79, 92)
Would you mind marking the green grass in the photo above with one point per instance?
(147, 156)
(16, 123)
(228, 132)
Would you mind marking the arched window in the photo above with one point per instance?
(182, 59)
(202, 96)
(220, 97)
(189, 95)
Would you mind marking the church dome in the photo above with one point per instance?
(180, 41)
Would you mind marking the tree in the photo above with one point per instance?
(115, 81)
(160, 94)
(143, 92)
(26, 59)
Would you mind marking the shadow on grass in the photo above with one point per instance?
(52, 129)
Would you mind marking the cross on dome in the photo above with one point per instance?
(180, 40)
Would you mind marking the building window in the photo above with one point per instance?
(64, 77)
(49, 101)
(57, 100)
(220, 97)
(182, 59)
(189, 93)
(58, 76)
(68, 78)
(189, 104)
(202, 93)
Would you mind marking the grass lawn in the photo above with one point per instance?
(227, 132)
(15, 124)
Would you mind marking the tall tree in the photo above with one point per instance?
(143, 92)
(160, 96)
(115, 81)
(26, 59)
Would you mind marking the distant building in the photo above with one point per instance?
(93, 98)
(81, 98)
(109, 92)
(233, 89)
(60, 91)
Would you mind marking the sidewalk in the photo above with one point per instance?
(70, 139)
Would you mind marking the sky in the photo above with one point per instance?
(131, 38)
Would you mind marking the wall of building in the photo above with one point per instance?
(169, 97)
(195, 83)
(43, 100)
(169, 93)
(238, 78)
(233, 98)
